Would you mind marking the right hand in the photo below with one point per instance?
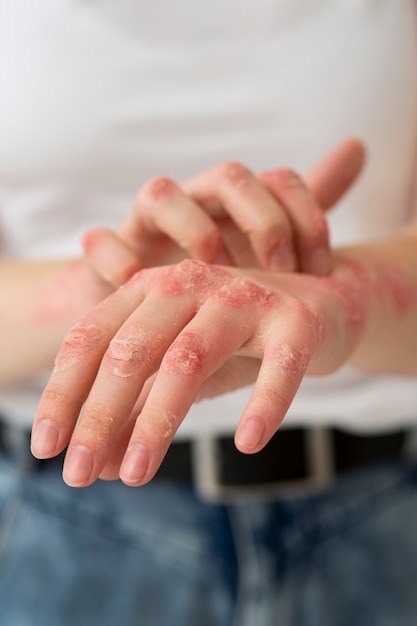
(229, 216)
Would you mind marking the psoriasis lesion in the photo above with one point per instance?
(239, 292)
(80, 340)
(126, 355)
(293, 360)
(381, 285)
(187, 355)
(403, 294)
(203, 281)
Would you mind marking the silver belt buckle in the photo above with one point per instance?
(207, 479)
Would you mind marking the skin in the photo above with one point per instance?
(229, 216)
(137, 371)
(44, 299)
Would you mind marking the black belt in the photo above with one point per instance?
(295, 460)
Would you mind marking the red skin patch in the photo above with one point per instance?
(292, 360)
(240, 292)
(59, 299)
(400, 289)
(385, 284)
(354, 294)
(186, 356)
(78, 342)
(197, 277)
(90, 240)
(237, 175)
(160, 189)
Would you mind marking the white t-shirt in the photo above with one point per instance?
(97, 97)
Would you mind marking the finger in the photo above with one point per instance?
(237, 243)
(231, 187)
(210, 338)
(162, 207)
(287, 354)
(327, 182)
(335, 173)
(280, 376)
(75, 369)
(310, 232)
(236, 372)
(111, 468)
(112, 259)
(132, 356)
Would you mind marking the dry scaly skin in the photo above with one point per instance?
(293, 323)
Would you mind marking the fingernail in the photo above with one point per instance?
(319, 262)
(44, 439)
(135, 464)
(251, 433)
(78, 466)
(282, 258)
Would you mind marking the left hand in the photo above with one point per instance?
(180, 325)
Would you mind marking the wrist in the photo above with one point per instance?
(384, 280)
(68, 291)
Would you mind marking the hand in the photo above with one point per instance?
(230, 216)
(130, 347)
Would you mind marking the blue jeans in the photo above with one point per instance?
(110, 555)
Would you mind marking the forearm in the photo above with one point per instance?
(39, 302)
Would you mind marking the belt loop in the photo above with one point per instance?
(320, 454)
(205, 464)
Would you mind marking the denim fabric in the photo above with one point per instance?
(109, 555)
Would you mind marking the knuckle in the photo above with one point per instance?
(158, 189)
(191, 274)
(124, 357)
(236, 174)
(287, 179)
(300, 312)
(238, 292)
(79, 341)
(192, 267)
(293, 360)
(186, 356)
(288, 359)
(308, 320)
(172, 280)
(91, 239)
(99, 422)
(56, 397)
